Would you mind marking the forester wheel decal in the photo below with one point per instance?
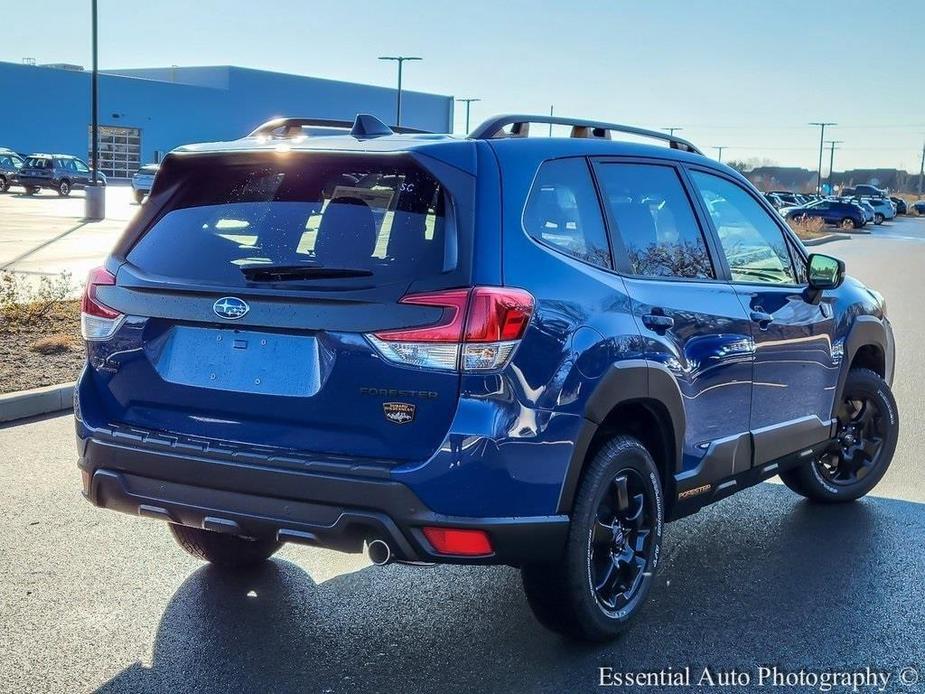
(621, 540)
(862, 429)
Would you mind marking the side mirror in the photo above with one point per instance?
(823, 272)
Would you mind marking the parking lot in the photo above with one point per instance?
(45, 234)
(94, 600)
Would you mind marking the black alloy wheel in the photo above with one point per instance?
(621, 540)
(862, 430)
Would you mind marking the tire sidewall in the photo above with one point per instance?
(870, 385)
(619, 454)
(64, 188)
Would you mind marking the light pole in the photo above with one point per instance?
(821, 140)
(95, 200)
(832, 144)
(400, 59)
(720, 149)
(921, 170)
(672, 131)
(468, 103)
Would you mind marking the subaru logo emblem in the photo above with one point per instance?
(230, 307)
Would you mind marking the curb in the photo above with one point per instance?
(36, 401)
(826, 239)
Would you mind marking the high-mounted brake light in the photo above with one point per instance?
(97, 320)
(479, 330)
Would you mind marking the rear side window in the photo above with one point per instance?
(655, 221)
(378, 219)
(563, 211)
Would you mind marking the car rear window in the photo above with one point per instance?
(379, 215)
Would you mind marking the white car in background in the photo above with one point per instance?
(143, 180)
(883, 208)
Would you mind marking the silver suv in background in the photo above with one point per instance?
(143, 180)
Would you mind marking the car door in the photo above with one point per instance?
(692, 323)
(822, 210)
(82, 172)
(795, 365)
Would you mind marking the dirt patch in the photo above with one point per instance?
(43, 352)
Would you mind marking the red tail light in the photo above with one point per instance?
(97, 320)
(459, 541)
(478, 331)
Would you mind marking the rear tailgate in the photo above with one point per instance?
(249, 294)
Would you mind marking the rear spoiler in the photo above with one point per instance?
(365, 126)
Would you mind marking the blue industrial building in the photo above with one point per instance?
(144, 113)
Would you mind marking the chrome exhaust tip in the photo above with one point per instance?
(379, 552)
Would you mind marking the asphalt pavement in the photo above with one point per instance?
(92, 600)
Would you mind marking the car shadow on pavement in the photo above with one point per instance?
(763, 578)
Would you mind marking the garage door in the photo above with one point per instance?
(120, 151)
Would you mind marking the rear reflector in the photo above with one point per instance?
(97, 320)
(461, 542)
(479, 330)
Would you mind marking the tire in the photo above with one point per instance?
(139, 196)
(878, 218)
(563, 595)
(4, 184)
(828, 478)
(848, 223)
(227, 551)
(64, 188)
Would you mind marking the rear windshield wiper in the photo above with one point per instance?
(284, 273)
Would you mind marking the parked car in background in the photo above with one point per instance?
(789, 199)
(10, 164)
(842, 214)
(901, 206)
(143, 180)
(919, 207)
(59, 172)
(776, 202)
(869, 213)
(883, 208)
(863, 190)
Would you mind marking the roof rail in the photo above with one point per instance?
(493, 128)
(293, 126)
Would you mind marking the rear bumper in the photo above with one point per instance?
(336, 511)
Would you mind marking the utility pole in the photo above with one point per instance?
(400, 59)
(95, 200)
(822, 127)
(832, 144)
(672, 131)
(720, 150)
(922, 170)
(467, 102)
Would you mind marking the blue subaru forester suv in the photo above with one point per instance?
(497, 349)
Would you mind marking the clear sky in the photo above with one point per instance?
(746, 74)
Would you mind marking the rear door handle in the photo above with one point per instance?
(658, 322)
(762, 318)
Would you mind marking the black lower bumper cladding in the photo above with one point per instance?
(324, 510)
